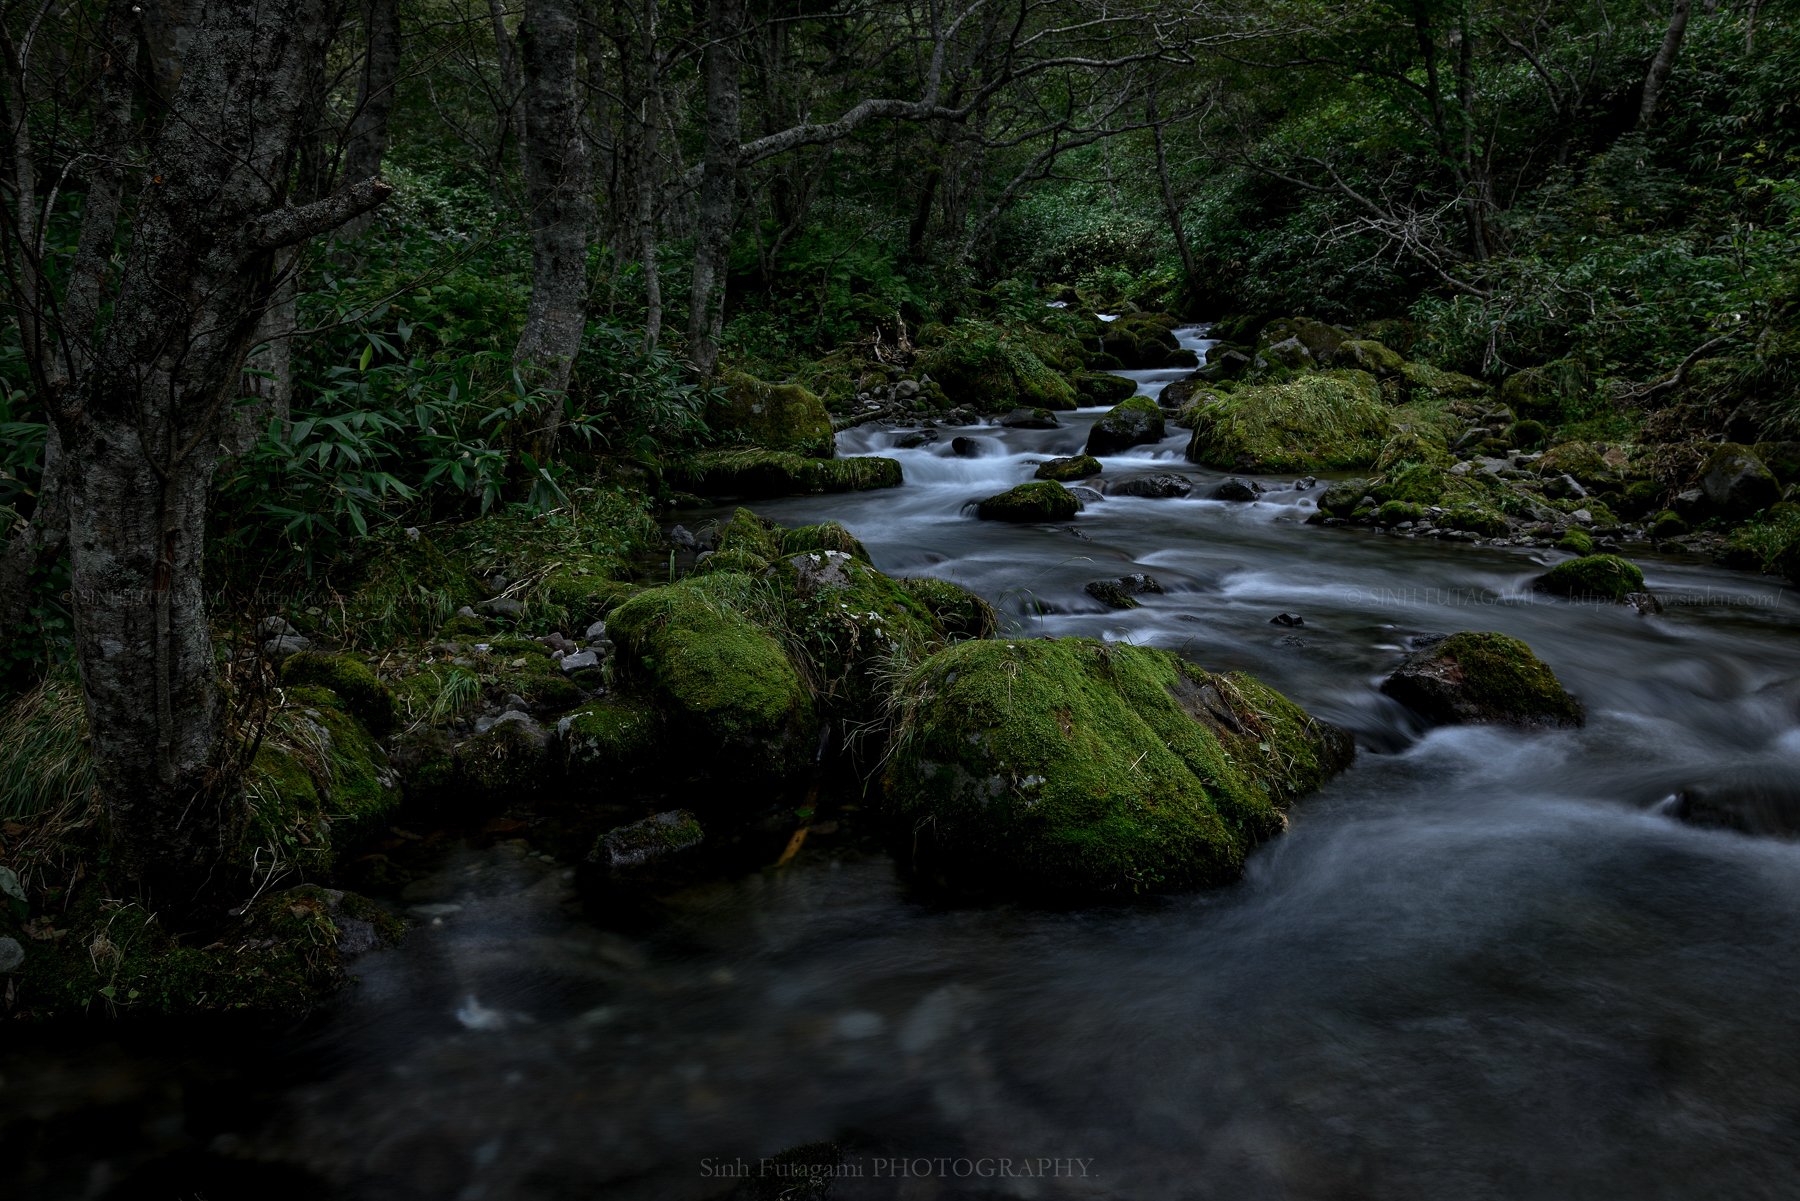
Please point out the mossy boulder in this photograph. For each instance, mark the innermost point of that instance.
(1593, 577)
(1526, 434)
(1041, 500)
(826, 535)
(1132, 422)
(753, 472)
(959, 612)
(609, 741)
(1101, 388)
(783, 417)
(1146, 341)
(697, 649)
(1482, 678)
(1322, 421)
(993, 369)
(1366, 354)
(1667, 524)
(1068, 768)
(1593, 465)
(1737, 483)
(849, 619)
(1576, 541)
(1433, 384)
(1074, 467)
(318, 782)
(405, 585)
(1340, 498)
(357, 687)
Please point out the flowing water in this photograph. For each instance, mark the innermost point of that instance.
(1480, 964)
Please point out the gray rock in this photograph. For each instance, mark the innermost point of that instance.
(526, 723)
(1290, 353)
(596, 632)
(683, 537)
(1287, 619)
(275, 627)
(1031, 419)
(1153, 487)
(915, 439)
(502, 606)
(466, 611)
(906, 389)
(356, 936)
(287, 644)
(1236, 489)
(579, 660)
(1087, 496)
(655, 851)
(965, 448)
(11, 954)
(1737, 484)
(1752, 800)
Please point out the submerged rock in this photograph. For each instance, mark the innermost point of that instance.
(1752, 800)
(1122, 592)
(1482, 678)
(1154, 487)
(1079, 769)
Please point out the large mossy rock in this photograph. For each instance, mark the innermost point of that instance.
(1101, 388)
(757, 473)
(1593, 577)
(1324, 421)
(782, 417)
(959, 612)
(848, 620)
(319, 781)
(1068, 768)
(1482, 678)
(993, 370)
(1132, 422)
(1737, 483)
(726, 684)
(1041, 500)
(1072, 467)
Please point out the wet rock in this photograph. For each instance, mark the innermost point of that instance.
(1086, 496)
(1131, 422)
(1042, 500)
(1236, 489)
(275, 627)
(579, 661)
(966, 448)
(596, 632)
(1485, 679)
(915, 439)
(1154, 487)
(1031, 419)
(1592, 577)
(1071, 467)
(658, 851)
(1122, 592)
(683, 537)
(1753, 800)
(1287, 619)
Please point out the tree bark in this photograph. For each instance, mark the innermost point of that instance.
(1190, 273)
(1664, 63)
(368, 139)
(144, 415)
(560, 204)
(718, 184)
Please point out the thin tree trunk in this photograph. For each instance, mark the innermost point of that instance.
(645, 119)
(718, 185)
(560, 204)
(1190, 273)
(1474, 174)
(368, 140)
(1664, 63)
(512, 120)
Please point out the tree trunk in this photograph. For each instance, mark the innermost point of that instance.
(1190, 273)
(368, 140)
(1663, 63)
(144, 418)
(512, 118)
(560, 204)
(718, 185)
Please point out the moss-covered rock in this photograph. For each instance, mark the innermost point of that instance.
(1366, 354)
(364, 695)
(1101, 388)
(1041, 500)
(1132, 422)
(1074, 467)
(1667, 524)
(1145, 341)
(1073, 768)
(959, 612)
(1324, 421)
(752, 472)
(726, 683)
(993, 369)
(826, 535)
(849, 620)
(1593, 577)
(1737, 483)
(1527, 434)
(783, 417)
(610, 741)
(1340, 498)
(1398, 512)
(1482, 678)
(1576, 541)
(1428, 383)
(1593, 465)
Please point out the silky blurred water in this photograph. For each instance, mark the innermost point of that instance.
(1481, 964)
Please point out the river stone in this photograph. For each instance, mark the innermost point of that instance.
(1131, 422)
(965, 448)
(1752, 800)
(1236, 489)
(579, 660)
(1153, 487)
(1031, 419)
(1122, 592)
(1075, 769)
(11, 954)
(647, 853)
(1482, 679)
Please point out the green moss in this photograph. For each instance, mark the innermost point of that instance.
(1593, 577)
(361, 692)
(1102, 388)
(1131, 422)
(784, 417)
(741, 561)
(1068, 767)
(994, 369)
(574, 597)
(723, 679)
(1076, 467)
(1576, 541)
(1668, 524)
(1771, 543)
(318, 782)
(1434, 384)
(1319, 422)
(1527, 434)
(1043, 500)
(498, 767)
(850, 621)
(827, 535)
(959, 612)
(1483, 677)
(609, 739)
(1476, 519)
(750, 533)
(1394, 512)
(1591, 464)
(753, 472)
(1340, 499)
(1371, 356)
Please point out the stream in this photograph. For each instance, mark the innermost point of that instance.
(1480, 964)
